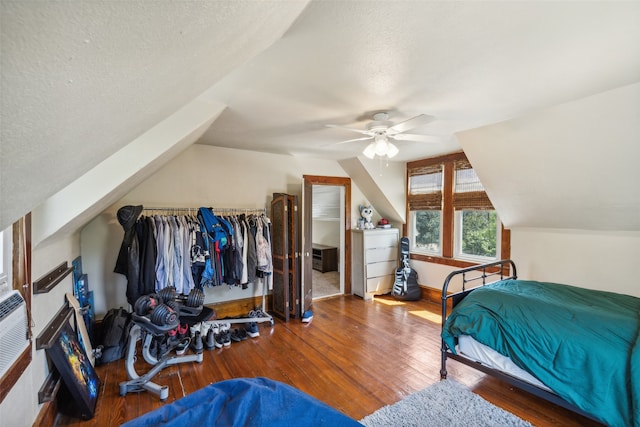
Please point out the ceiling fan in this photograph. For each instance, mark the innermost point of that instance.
(381, 130)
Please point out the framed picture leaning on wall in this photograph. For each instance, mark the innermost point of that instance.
(81, 383)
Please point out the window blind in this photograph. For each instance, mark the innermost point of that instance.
(425, 188)
(468, 191)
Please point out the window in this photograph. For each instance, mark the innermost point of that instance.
(5, 259)
(15, 268)
(427, 231)
(425, 202)
(451, 219)
(477, 235)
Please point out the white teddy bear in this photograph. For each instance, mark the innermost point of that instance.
(366, 212)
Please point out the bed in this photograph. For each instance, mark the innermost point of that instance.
(576, 347)
(246, 402)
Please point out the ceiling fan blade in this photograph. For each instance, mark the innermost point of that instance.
(354, 140)
(409, 124)
(364, 132)
(416, 138)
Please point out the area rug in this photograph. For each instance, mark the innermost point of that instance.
(325, 284)
(446, 403)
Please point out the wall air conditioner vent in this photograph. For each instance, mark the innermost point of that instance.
(13, 329)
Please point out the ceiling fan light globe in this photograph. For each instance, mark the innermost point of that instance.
(370, 151)
(392, 150)
(381, 147)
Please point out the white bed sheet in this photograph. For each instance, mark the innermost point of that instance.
(491, 358)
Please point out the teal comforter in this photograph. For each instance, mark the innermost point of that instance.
(583, 344)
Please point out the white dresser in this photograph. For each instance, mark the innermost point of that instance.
(374, 260)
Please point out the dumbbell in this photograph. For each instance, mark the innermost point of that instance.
(146, 303)
(154, 316)
(184, 305)
(167, 293)
(194, 299)
(163, 315)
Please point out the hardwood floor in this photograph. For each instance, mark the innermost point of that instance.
(355, 355)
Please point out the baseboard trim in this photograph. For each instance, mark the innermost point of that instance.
(47, 415)
(433, 295)
(239, 307)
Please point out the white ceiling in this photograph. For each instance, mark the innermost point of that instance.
(81, 80)
(466, 63)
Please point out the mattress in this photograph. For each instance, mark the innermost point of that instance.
(487, 356)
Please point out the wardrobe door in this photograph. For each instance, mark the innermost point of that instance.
(307, 285)
(294, 256)
(280, 256)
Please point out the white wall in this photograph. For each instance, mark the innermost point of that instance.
(382, 184)
(433, 275)
(570, 166)
(326, 232)
(20, 407)
(589, 259)
(200, 176)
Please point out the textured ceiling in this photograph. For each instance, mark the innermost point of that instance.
(466, 63)
(80, 80)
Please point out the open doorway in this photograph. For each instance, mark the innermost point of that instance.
(327, 240)
(326, 234)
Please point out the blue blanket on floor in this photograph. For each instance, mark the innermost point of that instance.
(258, 402)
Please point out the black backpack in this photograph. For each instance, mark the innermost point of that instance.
(114, 335)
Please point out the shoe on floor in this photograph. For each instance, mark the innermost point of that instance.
(238, 335)
(182, 331)
(210, 342)
(307, 316)
(252, 330)
(182, 346)
(226, 337)
(196, 343)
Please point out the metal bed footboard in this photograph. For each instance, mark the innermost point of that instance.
(498, 270)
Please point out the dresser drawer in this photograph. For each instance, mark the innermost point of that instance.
(384, 268)
(374, 260)
(380, 285)
(382, 254)
(382, 240)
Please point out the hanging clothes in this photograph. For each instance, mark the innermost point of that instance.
(245, 250)
(128, 261)
(189, 252)
(148, 255)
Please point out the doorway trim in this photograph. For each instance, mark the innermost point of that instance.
(309, 182)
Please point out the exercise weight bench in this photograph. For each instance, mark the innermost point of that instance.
(143, 327)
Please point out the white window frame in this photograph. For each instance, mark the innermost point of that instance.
(457, 242)
(5, 259)
(413, 248)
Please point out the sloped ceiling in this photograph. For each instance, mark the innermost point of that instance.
(468, 64)
(82, 80)
(573, 166)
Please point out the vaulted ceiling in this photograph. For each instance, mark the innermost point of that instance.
(82, 81)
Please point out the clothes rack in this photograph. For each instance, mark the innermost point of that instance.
(194, 211)
(258, 315)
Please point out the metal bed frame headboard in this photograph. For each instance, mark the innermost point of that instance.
(502, 269)
(505, 264)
